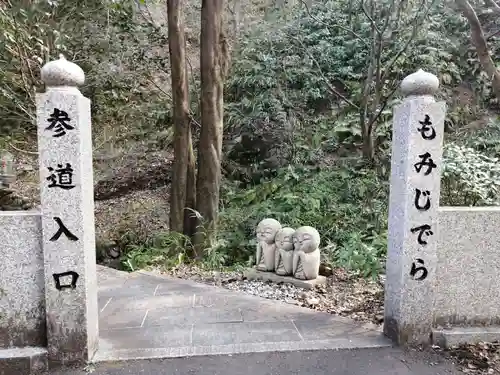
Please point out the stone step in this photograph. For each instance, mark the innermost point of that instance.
(23, 361)
(253, 274)
(447, 338)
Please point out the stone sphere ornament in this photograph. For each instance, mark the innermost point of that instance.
(62, 73)
(420, 83)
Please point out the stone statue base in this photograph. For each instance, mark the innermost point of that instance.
(253, 274)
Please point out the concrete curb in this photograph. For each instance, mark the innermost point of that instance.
(24, 361)
(447, 338)
(186, 351)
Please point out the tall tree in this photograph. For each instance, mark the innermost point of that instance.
(213, 62)
(182, 193)
(479, 40)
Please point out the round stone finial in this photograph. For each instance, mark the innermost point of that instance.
(62, 73)
(420, 83)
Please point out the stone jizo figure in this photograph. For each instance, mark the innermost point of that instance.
(306, 256)
(266, 248)
(283, 264)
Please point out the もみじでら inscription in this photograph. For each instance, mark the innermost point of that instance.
(422, 196)
(427, 129)
(425, 162)
(424, 231)
(424, 165)
(413, 221)
(418, 270)
(59, 123)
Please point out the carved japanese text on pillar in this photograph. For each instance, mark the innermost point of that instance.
(418, 270)
(62, 230)
(60, 286)
(427, 130)
(423, 198)
(59, 123)
(61, 177)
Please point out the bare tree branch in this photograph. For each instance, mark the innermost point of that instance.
(370, 18)
(328, 26)
(168, 95)
(330, 86)
(492, 35)
(479, 41)
(414, 32)
(382, 108)
(389, 16)
(23, 151)
(492, 5)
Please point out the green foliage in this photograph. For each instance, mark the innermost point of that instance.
(348, 206)
(28, 40)
(170, 249)
(280, 87)
(105, 39)
(282, 75)
(166, 249)
(297, 84)
(285, 71)
(484, 139)
(363, 255)
(469, 178)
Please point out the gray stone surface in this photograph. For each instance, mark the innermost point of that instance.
(283, 260)
(447, 338)
(306, 254)
(420, 83)
(62, 73)
(409, 301)
(253, 274)
(467, 287)
(266, 247)
(377, 361)
(22, 298)
(189, 319)
(21, 361)
(72, 313)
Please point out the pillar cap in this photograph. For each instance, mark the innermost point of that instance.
(420, 83)
(62, 73)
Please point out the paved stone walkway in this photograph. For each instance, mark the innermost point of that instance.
(147, 316)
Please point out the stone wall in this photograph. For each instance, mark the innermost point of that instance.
(22, 291)
(467, 280)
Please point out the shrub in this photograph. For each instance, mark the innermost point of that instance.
(469, 177)
(347, 205)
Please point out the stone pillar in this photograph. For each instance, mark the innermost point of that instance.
(417, 147)
(67, 207)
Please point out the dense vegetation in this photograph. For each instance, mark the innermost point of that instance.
(307, 126)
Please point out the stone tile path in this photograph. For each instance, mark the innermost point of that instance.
(147, 316)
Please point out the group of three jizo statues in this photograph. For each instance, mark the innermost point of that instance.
(286, 251)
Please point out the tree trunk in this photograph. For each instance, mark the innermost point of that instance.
(368, 150)
(366, 131)
(190, 220)
(212, 62)
(479, 42)
(181, 194)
